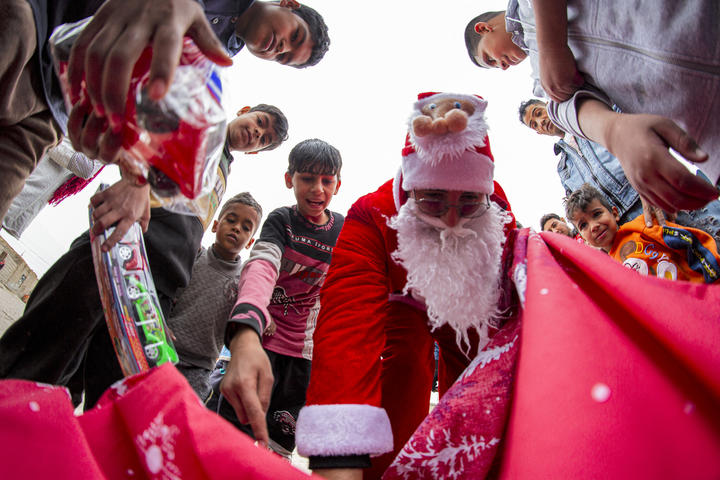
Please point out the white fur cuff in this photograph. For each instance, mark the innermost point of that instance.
(333, 430)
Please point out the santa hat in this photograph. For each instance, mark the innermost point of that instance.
(469, 169)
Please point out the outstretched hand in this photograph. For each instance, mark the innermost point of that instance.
(641, 142)
(105, 54)
(271, 328)
(121, 205)
(248, 382)
(559, 75)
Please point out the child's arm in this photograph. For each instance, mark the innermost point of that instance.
(248, 380)
(559, 75)
(256, 286)
(640, 142)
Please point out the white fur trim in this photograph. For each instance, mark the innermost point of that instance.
(397, 186)
(470, 172)
(333, 430)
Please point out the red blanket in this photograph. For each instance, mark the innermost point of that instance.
(150, 426)
(606, 374)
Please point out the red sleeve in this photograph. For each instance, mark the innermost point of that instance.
(500, 198)
(343, 416)
(349, 334)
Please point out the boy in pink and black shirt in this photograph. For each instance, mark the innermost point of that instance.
(279, 288)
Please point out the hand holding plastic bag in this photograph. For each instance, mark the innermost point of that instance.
(176, 142)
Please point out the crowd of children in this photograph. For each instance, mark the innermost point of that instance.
(430, 263)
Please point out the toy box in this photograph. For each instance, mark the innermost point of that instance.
(132, 310)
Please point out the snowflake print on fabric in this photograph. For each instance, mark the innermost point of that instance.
(460, 437)
(485, 357)
(442, 458)
(157, 445)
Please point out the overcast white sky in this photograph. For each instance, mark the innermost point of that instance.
(382, 54)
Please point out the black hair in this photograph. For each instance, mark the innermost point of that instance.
(525, 105)
(548, 216)
(318, 33)
(243, 198)
(281, 123)
(582, 197)
(472, 38)
(314, 156)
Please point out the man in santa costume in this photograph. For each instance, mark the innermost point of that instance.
(592, 372)
(417, 261)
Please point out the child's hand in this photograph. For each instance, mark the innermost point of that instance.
(106, 52)
(640, 142)
(271, 328)
(559, 75)
(121, 205)
(248, 381)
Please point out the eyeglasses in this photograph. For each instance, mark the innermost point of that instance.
(437, 207)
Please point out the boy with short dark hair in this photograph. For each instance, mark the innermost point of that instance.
(552, 222)
(201, 310)
(271, 34)
(44, 345)
(279, 295)
(636, 66)
(472, 39)
(670, 251)
(262, 127)
(283, 31)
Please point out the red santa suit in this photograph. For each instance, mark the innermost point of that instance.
(373, 364)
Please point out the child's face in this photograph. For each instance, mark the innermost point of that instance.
(251, 131)
(557, 226)
(234, 230)
(280, 35)
(496, 49)
(597, 225)
(313, 193)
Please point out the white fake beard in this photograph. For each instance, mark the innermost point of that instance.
(456, 271)
(434, 148)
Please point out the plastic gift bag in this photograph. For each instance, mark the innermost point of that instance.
(177, 141)
(130, 302)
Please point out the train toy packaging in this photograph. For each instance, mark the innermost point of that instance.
(176, 142)
(132, 311)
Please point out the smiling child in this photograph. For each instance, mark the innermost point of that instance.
(670, 251)
(279, 297)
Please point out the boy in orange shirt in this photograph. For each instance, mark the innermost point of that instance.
(670, 251)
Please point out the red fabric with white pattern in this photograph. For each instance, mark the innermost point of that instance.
(617, 376)
(150, 426)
